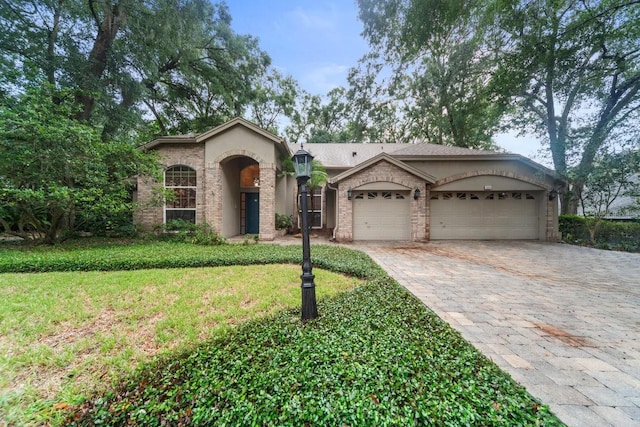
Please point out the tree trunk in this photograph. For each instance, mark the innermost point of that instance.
(97, 62)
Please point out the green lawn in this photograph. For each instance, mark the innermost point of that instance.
(224, 345)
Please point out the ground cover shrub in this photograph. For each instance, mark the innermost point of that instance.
(613, 235)
(376, 356)
(106, 255)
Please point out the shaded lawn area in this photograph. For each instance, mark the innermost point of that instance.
(376, 355)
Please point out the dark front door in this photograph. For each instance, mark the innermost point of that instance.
(252, 225)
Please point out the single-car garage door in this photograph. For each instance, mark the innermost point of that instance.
(484, 215)
(381, 215)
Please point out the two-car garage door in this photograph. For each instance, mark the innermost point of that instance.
(386, 215)
(484, 215)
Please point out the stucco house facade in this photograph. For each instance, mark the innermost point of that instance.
(232, 178)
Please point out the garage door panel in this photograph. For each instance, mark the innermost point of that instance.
(381, 215)
(484, 215)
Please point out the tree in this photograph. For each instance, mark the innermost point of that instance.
(440, 57)
(178, 60)
(360, 112)
(274, 98)
(574, 71)
(61, 177)
(612, 176)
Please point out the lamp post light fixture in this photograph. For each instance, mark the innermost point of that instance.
(302, 164)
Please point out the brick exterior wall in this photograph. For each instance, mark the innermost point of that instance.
(208, 189)
(381, 171)
(150, 212)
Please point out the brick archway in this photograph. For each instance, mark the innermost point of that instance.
(220, 204)
(504, 174)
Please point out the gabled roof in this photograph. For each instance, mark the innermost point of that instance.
(383, 157)
(235, 122)
(343, 156)
(201, 137)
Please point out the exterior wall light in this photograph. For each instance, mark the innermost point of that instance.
(416, 194)
(553, 194)
(349, 193)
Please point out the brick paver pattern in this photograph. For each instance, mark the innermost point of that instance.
(564, 321)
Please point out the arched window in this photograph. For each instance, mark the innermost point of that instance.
(182, 180)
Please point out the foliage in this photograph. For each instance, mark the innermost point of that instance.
(179, 61)
(114, 254)
(66, 335)
(612, 176)
(179, 230)
(62, 177)
(274, 97)
(283, 222)
(376, 354)
(573, 70)
(361, 112)
(375, 357)
(613, 235)
(566, 71)
(250, 239)
(440, 56)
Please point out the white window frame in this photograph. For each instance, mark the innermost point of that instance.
(176, 187)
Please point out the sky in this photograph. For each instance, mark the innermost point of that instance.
(317, 42)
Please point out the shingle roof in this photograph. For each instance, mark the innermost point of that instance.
(424, 149)
(349, 154)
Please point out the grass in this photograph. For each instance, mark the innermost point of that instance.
(376, 356)
(63, 334)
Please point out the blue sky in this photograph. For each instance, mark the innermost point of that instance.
(317, 42)
(314, 41)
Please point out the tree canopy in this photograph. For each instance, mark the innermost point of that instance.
(176, 61)
(82, 82)
(567, 71)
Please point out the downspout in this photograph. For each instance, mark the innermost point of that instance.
(335, 227)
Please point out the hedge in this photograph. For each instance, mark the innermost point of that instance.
(614, 235)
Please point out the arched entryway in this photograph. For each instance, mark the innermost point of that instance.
(250, 200)
(240, 196)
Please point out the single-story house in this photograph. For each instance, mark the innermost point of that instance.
(231, 177)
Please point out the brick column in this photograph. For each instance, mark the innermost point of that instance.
(213, 208)
(344, 232)
(267, 201)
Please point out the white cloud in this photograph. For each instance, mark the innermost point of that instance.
(322, 79)
(313, 20)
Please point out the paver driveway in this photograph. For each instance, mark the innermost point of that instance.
(564, 321)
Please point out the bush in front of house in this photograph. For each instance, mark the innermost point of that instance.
(284, 222)
(614, 235)
(179, 230)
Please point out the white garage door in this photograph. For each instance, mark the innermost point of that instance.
(381, 215)
(484, 215)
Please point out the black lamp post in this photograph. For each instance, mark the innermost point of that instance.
(302, 163)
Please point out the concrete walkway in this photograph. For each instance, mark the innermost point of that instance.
(564, 321)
